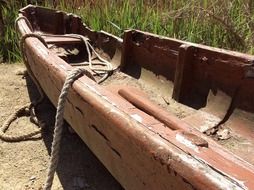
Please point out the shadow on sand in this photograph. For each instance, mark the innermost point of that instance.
(78, 168)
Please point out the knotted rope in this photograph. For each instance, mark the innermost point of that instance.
(92, 63)
(58, 124)
(105, 68)
(27, 110)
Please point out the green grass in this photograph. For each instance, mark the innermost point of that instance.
(9, 50)
(221, 23)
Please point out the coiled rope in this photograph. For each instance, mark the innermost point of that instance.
(27, 110)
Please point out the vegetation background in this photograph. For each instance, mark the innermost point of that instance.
(221, 23)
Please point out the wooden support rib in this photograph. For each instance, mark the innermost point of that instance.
(183, 73)
(126, 48)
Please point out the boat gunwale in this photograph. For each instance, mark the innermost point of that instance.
(63, 67)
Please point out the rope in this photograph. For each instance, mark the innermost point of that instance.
(58, 124)
(27, 22)
(23, 111)
(29, 71)
(91, 63)
(27, 110)
(105, 72)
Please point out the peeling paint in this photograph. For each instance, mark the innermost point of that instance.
(187, 142)
(137, 117)
(93, 89)
(240, 183)
(43, 51)
(210, 121)
(212, 175)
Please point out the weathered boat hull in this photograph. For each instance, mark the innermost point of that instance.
(139, 153)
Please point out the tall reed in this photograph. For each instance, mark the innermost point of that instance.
(9, 48)
(222, 23)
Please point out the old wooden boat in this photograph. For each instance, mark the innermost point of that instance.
(171, 115)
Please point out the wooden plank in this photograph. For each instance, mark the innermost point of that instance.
(183, 74)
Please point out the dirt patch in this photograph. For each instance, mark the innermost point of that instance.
(24, 165)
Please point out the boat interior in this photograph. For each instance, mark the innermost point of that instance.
(210, 89)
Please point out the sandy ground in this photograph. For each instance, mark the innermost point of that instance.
(23, 165)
